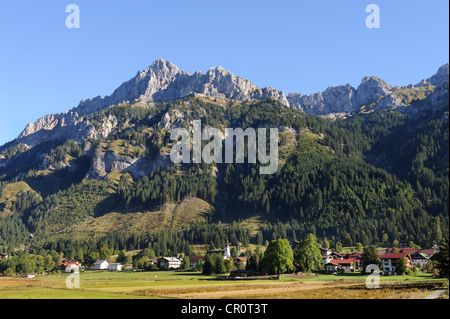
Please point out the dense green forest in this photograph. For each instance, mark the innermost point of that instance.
(370, 178)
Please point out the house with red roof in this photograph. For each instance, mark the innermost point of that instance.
(70, 266)
(418, 256)
(390, 262)
(341, 265)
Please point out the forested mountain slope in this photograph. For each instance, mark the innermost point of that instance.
(376, 174)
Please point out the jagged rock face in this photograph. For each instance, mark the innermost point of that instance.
(63, 126)
(370, 89)
(171, 120)
(390, 101)
(109, 161)
(334, 100)
(164, 81)
(439, 95)
(441, 77)
(341, 99)
(160, 82)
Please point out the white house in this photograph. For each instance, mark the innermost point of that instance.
(327, 259)
(331, 268)
(390, 262)
(340, 265)
(419, 258)
(100, 264)
(115, 267)
(69, 267)
(170, 262)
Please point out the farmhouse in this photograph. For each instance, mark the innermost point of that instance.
(327, 259)
(419, 258)
(3, 256)
(193, 261)
(331, 268)
(115, 267)
(390, 262)
(412, 251)
(169, 262)
(100, 265)
(341, 265)
(70, 266)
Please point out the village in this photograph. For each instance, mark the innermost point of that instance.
(333, 262)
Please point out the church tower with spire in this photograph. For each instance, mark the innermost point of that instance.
(227, 251)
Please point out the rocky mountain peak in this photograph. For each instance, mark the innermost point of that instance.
(345, 98)
(163, 80)
(371, 88)
(441, 76)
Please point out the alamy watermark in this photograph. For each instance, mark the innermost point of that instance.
(373, 19)
(73, 19)
(73, 280)
(373, 280)
(213, 151)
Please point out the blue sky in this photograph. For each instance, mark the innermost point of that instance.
(291, 45)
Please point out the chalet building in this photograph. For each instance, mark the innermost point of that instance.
(193, 261)
(390, 262)
(341, 266)
(70, 266)
(341, 263)
(327, 259)
(357, 259)
(115, 267)
(169, 262)
(419, 258)
(331, 268)
(100, 265)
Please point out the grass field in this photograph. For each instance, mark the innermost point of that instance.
(193, 285)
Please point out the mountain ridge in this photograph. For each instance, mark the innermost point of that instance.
(163, 81)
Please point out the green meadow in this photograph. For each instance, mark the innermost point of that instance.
(189, 284)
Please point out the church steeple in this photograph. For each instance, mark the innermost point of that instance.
(227, 251)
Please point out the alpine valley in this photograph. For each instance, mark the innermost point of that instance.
(362, 165)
